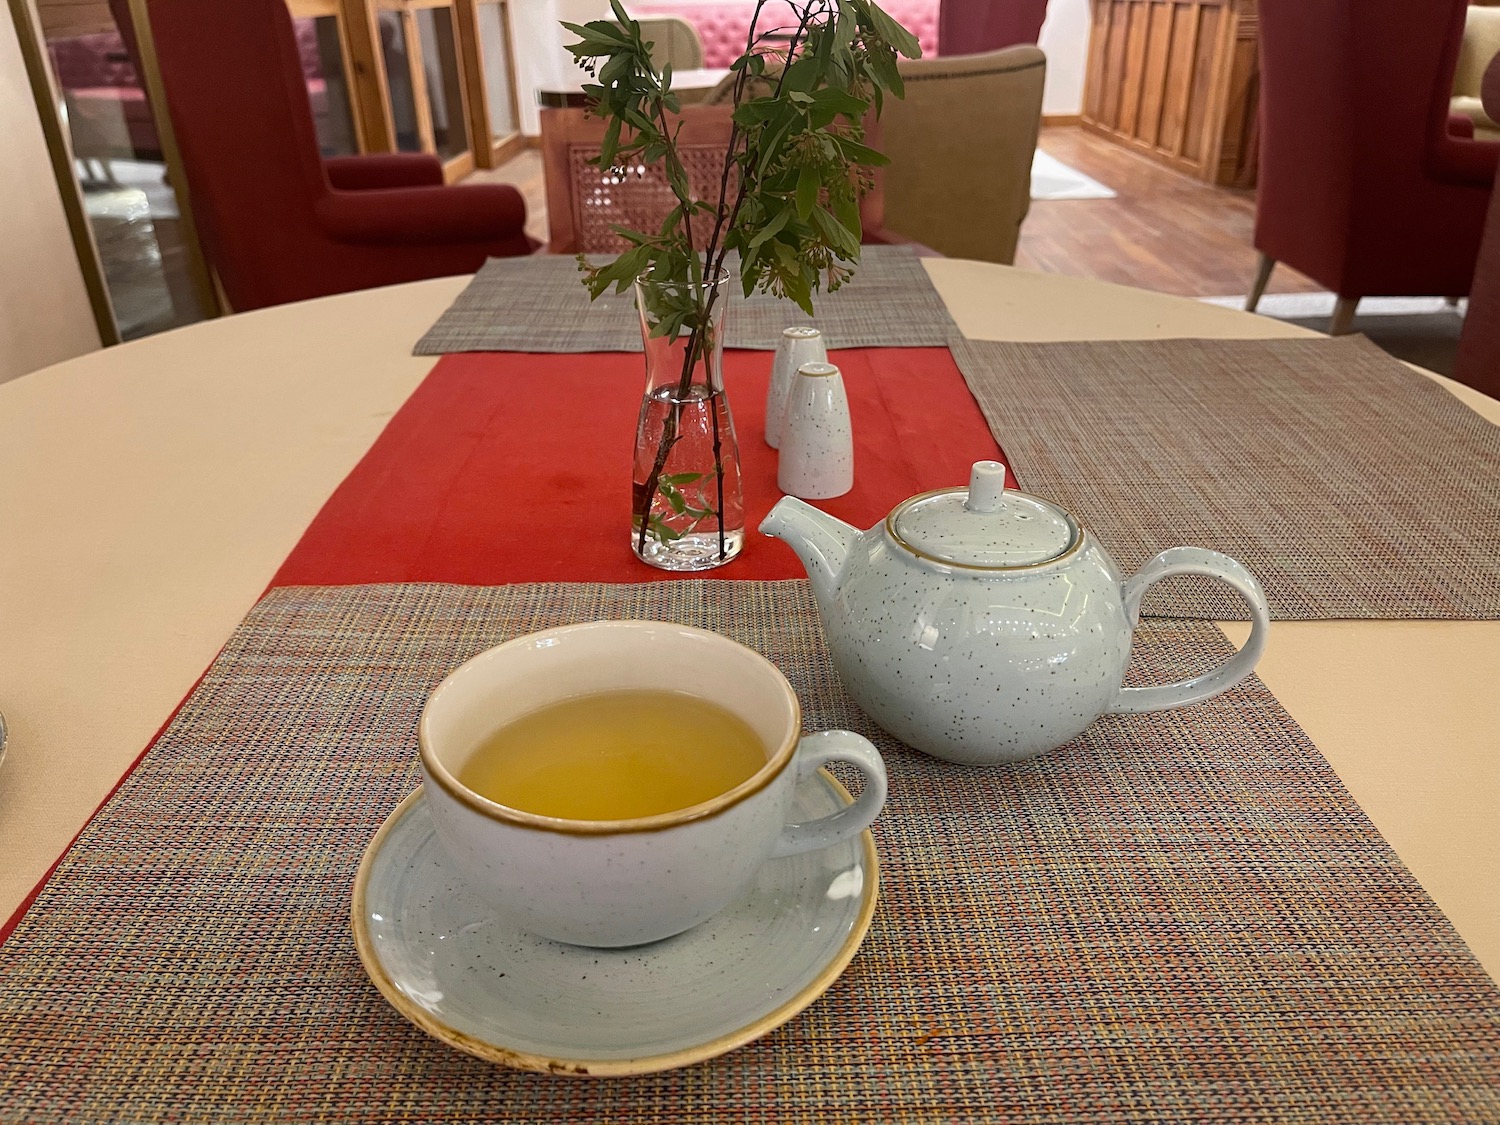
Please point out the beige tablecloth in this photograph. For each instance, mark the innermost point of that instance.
(148, 493)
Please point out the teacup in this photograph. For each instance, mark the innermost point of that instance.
(625, 882)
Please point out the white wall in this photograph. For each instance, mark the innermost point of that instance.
(44, 308)
(541, 58)
(1065, 40)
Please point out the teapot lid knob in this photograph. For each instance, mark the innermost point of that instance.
(986, 487)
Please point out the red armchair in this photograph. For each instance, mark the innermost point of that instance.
(1362, 187)
(278, 223)
(1479, 347)
(970, 27)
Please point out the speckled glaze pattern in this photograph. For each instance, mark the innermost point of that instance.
(464, 973)
(817, 441)
(982, 665)
(798, 345)
(621, 883)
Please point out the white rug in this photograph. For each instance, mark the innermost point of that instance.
(1295, 306)
(1052, 179)
(1420, 330)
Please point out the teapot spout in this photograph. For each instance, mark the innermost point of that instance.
(821, 542)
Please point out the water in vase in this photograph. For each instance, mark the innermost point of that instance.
(699, 479)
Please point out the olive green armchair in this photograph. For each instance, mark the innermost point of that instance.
(960, 145)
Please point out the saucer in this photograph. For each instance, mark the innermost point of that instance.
(443, 959)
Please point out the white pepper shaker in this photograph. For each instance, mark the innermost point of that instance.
(817, 446)
(797, 346)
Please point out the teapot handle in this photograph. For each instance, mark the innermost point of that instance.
(1195, 560)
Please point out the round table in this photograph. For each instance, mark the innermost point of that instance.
(150, 491)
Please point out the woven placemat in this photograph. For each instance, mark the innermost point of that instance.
(1349, 484)
(1179, 918)
(539, 304)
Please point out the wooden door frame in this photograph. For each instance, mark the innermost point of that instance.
(368, 85)
(489, 152)
(338, 10)
(455, 167)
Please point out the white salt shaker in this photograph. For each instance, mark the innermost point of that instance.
(817, 446)
(797, 346)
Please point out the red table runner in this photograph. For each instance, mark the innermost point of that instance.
(515, 467)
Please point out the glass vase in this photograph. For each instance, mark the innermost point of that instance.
(688, 508)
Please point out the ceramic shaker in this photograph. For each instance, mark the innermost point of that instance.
(796, 347)
(817, 446)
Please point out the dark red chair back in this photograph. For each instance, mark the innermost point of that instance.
(243, 121)
(970, 27)
(1479, 347)
(1361, 187)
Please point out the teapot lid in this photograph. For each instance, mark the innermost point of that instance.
(983, 527)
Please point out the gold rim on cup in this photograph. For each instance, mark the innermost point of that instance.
(438, 773)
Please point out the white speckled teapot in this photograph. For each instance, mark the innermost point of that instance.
(984, 626)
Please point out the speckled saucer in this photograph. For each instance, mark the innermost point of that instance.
(448, 964)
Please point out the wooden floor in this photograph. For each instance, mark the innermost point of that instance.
(1165, 231)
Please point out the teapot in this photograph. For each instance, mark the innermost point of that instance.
(985, 625)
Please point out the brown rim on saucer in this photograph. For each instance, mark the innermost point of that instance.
(890, 529)
(434, 770)
(607, 1068)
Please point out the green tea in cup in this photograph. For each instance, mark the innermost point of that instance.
(613, 783)
(615, 755)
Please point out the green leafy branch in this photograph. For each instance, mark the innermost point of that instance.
(794, 171)
(796, 164)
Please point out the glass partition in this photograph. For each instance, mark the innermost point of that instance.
(499, 73)
(444, 78)
(322, 53)
(395, 53)
(135, 222)
(432, 76)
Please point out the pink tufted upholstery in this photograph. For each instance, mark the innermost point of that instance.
(723, 24)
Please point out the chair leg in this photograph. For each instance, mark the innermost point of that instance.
(1343, 315)
(1263, 270)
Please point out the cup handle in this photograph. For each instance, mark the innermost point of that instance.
(835, 746)
(1195, 560)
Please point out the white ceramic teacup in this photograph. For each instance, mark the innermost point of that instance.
(625, 882)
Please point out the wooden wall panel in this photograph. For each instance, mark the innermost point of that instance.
(1135, 67)
(1114, 65)
(1093, 82)
(1154, 73)
(1177, 79)
(1238, 156)
(1205, 71)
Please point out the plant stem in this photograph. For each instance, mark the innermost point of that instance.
(744, 187)
(708, 292)
(670, 427)
(734, 135)
(670, 436)
(713, 411)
